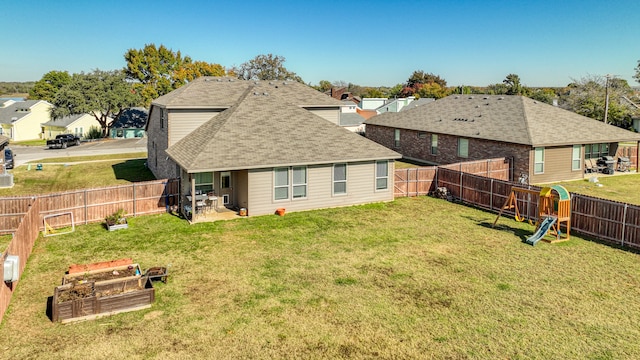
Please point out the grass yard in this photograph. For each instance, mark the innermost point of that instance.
(619, 188)
(70, 173)
(414, 278)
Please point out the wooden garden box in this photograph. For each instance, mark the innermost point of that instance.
(79, 299)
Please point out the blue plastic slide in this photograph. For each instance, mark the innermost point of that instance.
(542, 230)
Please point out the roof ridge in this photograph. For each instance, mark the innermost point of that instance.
(526, 119)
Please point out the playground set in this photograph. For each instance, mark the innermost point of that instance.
(554, 212)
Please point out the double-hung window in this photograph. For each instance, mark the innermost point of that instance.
(290, 181)
(299, 182)
(339, 179)
(576, 159)
(396, 138)
(434, 144)
(538, 167)
(463, 147)
(281, 183)
(382, 175)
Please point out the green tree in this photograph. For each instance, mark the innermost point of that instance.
(587, 97)
(102, 94)
(159, 70)
(266, 67)
(512, 82)
(420, 77)
(637, 75)
(47, 87)
(373, 93)
(323, 86)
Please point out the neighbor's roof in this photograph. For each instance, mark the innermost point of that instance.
(263, 129)
(416, 103)
(223, 92)
(64, 121)
(351, 119)
(12, 112)
(3, 140)
(504, 118)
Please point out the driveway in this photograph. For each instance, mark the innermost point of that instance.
(25, 154)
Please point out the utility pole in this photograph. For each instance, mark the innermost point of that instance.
(606, 98)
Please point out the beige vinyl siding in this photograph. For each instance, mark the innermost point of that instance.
(557, 165)
(29, 127)
(360, 189)
(330, 114)
(183, 122)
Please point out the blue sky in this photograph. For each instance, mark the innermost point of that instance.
(369, 43)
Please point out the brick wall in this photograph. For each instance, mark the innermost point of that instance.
(417, 145)
(157, 143)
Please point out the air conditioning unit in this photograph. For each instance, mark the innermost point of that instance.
(6, 180)
(11, 268)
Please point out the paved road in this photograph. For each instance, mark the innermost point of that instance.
(25, 154)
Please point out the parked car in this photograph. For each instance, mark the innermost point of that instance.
(8, 158)
(62, 141)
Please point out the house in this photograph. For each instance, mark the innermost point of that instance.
(78, 125)
(261, 146)
(130, 124)
(22, 120)
(350, 119)
(545, 143)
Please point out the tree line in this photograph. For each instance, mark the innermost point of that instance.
(154, 71)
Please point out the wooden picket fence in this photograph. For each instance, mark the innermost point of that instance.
(92, 205)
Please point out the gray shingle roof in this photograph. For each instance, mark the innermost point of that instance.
(64, 121)
(10, 113)
(267, 130)
(416, 103)
(223, 92)
(505, 118)
(3, 140)
(351, 119)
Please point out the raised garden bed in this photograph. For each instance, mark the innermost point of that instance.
(96, 293)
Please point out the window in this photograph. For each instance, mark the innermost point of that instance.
(78, 131)
(339, 179)
(299, 182)
(396, 138)
(434, 144)
(382, 175)
(587, 151)
(576, 159)
(225, 179)
(595, 151)
(281, 183)
(204, 182)
(422, 135)
(162, 117)
(538, 167)
(463, 147)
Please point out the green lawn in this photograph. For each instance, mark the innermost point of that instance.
(78, 173)
(414, 278)
(619, 188)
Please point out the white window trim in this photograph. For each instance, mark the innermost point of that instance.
(576, 160)
(287, 185)
(535, 162)
(305, 184)
(381, 177)
(334, 181)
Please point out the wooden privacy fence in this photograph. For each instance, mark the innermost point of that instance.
(610, 221)
(21, 245)
(92, 205)
(423, 180)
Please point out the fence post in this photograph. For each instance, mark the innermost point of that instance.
(86, 208)
(461, 188)
(624, 223)
(407, 180)
(134, 199)
(488, 168)
(491, 196)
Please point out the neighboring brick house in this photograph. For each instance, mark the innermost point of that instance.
(545, 143)
(262, 146)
